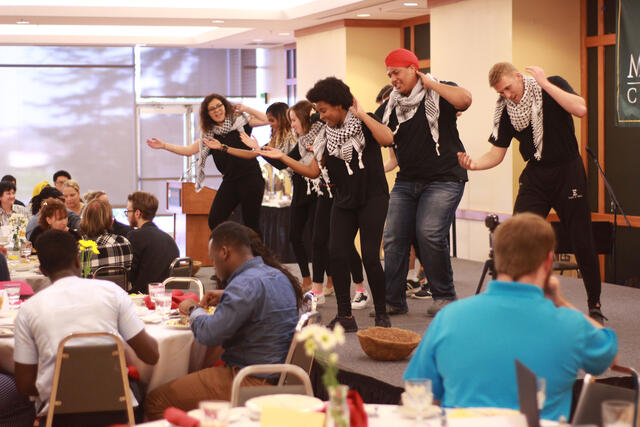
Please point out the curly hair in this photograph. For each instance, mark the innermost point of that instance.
(206, 122)
(333, 91)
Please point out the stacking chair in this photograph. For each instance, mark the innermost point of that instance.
(90, 378)
(117, 274)
(602, 237)
(240, 394)
(297, 355)
(589, 407)
(184, 283)
(181, 267)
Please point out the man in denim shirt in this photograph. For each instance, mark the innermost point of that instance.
(254, 322)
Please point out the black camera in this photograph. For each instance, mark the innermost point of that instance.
(492, 221)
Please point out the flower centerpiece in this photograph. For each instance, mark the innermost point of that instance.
(18, 224)
(321, 342)
(87, 249)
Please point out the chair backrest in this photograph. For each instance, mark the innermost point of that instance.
(90, 378)
(602, 237)
(297, 355)
(240, 394)
(589, 406)
(184, 283)
(117, 274)
(181, 267)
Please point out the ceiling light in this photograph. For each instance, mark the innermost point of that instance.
(22, 22)
(218, 21)
(257, 40)
(411, 4)
(363, 15)
(284, 34)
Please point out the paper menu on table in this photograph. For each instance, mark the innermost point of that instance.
(272, 417)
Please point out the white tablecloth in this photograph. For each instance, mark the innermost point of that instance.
(390, 415)
(28, 272)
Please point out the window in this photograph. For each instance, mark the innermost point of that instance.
(416, 36)
(292, 74)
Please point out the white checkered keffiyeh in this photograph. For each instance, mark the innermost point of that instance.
(230, 124)
(406, 107)
(527, 111)
(305, 148)
(341, 141)
(114, 250)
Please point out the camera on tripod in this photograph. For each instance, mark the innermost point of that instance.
(491, 221)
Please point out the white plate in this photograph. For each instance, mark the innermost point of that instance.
(298, 402)
(151, 318)
(234, 414)
(429, 411)
(174, 324)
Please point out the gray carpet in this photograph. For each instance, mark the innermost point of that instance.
(619, 304)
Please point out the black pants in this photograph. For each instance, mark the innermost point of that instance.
(299, 217)
(564, 188)
(246, 192)
(369, 219)
(320, 242)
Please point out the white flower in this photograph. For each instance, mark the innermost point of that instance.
(326, 340)
(338, 332)
(333, 358)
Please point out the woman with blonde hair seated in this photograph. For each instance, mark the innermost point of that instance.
(95, 225)
(72, 199)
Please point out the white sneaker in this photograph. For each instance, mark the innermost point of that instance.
(360, 300)
(318, 298)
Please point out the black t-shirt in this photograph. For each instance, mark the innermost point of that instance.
(299, 196)
(416, 151)
(559, 143)
(232, 167)
(353, 191)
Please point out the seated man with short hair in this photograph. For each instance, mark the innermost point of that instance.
(469, 350)
(254, 321)
(69, 305)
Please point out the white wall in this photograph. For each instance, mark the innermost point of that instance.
(321, 55)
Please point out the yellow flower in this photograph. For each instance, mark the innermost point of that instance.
(333, 358)
(310, 347)
(89, 244)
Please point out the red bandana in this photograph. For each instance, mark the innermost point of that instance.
(401, 58)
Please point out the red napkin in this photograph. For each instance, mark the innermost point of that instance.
(357, 414)
(177, 296)
(25, 288)
(133, 373)
(180, 418)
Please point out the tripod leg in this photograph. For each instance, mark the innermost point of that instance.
(482, 276)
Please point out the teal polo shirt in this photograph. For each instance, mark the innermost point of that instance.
(469, 349)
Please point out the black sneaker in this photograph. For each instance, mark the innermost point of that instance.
(391, 311)
(413, 286)
(596, 314)
(383, 321)
(348, 323)
(423, 293)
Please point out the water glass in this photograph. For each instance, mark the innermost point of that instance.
(163, 303)
(215, 413)
(617, 413)
(419, 395)
(155, 288)
(25, 250)
(13, 294)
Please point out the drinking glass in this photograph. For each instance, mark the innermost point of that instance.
(155, 288)
(163, 303)
(419, 395)
(25, 250)
(13, 294)
(617, 413)
(215, 413)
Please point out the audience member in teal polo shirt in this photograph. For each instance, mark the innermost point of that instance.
(469, 349)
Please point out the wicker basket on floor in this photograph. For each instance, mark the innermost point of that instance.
(388, 343)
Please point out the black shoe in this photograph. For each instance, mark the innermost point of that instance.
(423, 293)
(348, 323)
(391, 311)
(383, 321)
(596, 314)
(412, 286)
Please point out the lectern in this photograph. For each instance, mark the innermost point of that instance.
(191, 211)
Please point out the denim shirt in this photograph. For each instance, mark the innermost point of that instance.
(255, 318)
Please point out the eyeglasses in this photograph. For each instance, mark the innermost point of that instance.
(216, 107)
(127, 211)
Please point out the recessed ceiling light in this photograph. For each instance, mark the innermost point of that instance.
(284, 34)
(257, 40)
(22, 22)
(218, 21)
(410, 4)
(363, 15)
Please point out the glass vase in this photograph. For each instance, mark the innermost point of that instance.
(16, 243)
(338, 408)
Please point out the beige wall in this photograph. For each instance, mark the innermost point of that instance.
(321, 55)
(549, 40)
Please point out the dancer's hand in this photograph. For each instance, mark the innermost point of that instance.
(427, 83)
(538, 74)
(356, 109)
(155, 143)
(240, 108)
(465, 161)
(249, 141)
(212, 143)
(270, 152)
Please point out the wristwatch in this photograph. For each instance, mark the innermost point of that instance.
(224, 148)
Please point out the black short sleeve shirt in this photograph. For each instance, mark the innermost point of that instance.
(559, 143)
(232, 167)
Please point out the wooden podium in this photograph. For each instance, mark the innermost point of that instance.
(191, 211)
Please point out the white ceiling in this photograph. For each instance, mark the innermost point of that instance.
(186, 23)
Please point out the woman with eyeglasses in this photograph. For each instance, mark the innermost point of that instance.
(347, 155)
(242, 183)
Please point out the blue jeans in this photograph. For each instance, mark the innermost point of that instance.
(424, 213)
